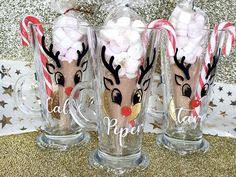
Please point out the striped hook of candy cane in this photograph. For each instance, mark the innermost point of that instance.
(230, 29)
(25, 42)
(166, 25)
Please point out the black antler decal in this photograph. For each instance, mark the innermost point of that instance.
(109, 66)
(214, 64)
(82, 54)
(148, 67)
(181, 65)
(50, 52)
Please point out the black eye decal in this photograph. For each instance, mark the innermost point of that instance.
(186, 90)
(137, 98)
(116, 96)
(59, 78)
(178, 79)
(204, 90)
(78, 77)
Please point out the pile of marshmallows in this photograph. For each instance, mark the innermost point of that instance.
(68, 35)
(123, 40)
(190, 32)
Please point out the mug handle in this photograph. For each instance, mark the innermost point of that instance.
(84, 121)
(20, 98)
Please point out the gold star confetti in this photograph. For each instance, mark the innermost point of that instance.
(18, 72)
(28, 65)
(3, 103)
(5, 120)
(156, 125)
(221, 100)
(23, 128)
(233, 103)
(223, 113)
(4, 72)
(8, 90)
(212, 105)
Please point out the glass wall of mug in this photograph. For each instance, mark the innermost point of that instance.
(61, 61)
(121, 85)
(188, 78)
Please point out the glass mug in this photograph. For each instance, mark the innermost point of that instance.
(67, 63)
(187, 86)
(120, 102)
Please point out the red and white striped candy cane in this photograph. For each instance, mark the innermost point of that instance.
(25, 42)
(230, 29)
(166, 25)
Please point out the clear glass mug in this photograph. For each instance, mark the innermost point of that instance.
(120, 102)
(60, 64)
(187, 85)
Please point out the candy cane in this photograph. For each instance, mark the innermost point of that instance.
(166, 25)
(230, 29)
(25, 42)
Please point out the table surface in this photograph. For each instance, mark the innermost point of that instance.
(19, 156)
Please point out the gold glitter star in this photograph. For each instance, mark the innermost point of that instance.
(5, 120)
(223, 114)
(3, 103)
(233, 103)
(5, 72)
(18, 72)
(8, 90)
(156, 125)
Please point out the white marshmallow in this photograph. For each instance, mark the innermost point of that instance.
(182, 41)
(176, 12)
(71, 54)
(108, 34)
(123, 22)
(122, 42)
(138, 25)
(131, 76)
(59, 48)
(110, 24)
(134, 37)
(180, 54)
(77, 46)
(183, 33)
(72, 22)
(185, 16)
(74, 35)
(59, 33)
(115, 49)
(131, 66)
(66, 43)
(190, 48)
(200, 19)
(135, 52)
(60, 21)
(181, 26)
(196, 40)
(194, 32)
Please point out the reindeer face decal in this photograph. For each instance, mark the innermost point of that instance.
(66, 74)
(124, 95)
(186, 77)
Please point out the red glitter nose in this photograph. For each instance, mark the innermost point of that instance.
(195, 103)
(126, 111)
(68, 90)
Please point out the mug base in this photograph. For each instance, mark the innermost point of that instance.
(62, 143)
(182, 147)
(118, 165)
